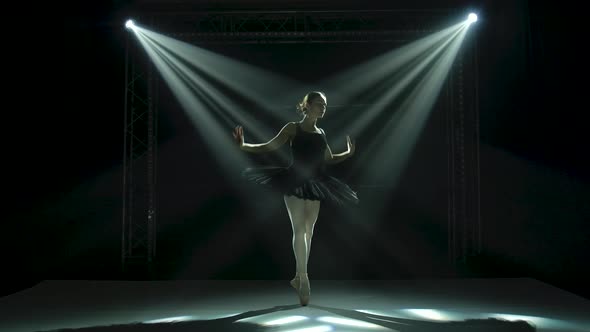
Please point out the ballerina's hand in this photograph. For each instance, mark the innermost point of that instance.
(350, 145)
(239, 135)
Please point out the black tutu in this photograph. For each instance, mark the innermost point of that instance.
(321, 187)
(306, 176)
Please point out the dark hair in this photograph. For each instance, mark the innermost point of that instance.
(308, 98)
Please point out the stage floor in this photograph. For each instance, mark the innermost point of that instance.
(272, 305)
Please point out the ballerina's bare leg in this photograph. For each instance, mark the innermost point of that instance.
(303, 214)
(296, 210)
(312, 210)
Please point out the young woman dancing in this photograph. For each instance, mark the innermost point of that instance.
(305, 183)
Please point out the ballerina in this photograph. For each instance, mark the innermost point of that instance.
(305, 183)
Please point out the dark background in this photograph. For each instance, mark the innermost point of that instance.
(63, 138)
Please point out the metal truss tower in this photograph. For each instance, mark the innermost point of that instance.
(368, 26)
(138, 245)
(464, 218)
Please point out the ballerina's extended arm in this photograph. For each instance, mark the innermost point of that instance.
(331, 158)
(276, 142)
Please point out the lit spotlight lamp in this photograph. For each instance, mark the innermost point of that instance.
(129, 24)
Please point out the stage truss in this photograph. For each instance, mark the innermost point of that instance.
(139, 215)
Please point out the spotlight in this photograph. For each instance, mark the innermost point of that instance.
(471, 18)
(129, 24)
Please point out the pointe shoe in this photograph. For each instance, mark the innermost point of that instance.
(304, 289)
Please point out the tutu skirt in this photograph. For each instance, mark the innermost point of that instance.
(319, 187)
